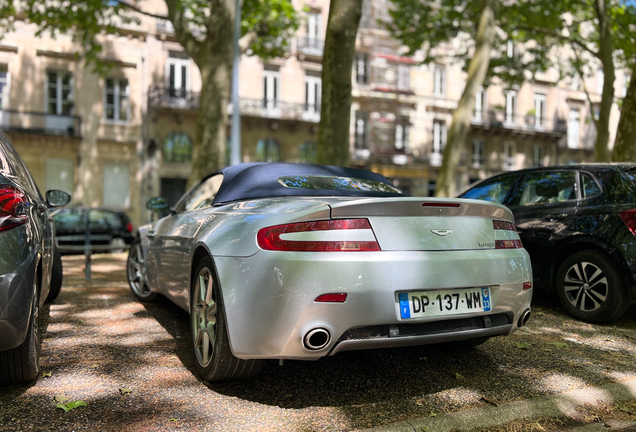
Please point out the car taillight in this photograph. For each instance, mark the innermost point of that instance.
(129, 227)
(503, 225)
(13, 208)
(506, 244)
(344, 235)
(629, 218)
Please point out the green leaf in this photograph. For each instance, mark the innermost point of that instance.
(60, 398)
(523, 345)
(173, 419)
(46, 374)
(125, 391)
(76, 404)
(458, 376)
(559, 344)
(433, 414)
(64, 407)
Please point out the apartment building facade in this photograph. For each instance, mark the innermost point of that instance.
(118, 140)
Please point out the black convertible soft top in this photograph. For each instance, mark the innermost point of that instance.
(260, 180)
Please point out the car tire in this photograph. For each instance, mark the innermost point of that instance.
(590, 288)
(22, 364)
(210, 344)
(57, 276)
(136, 273)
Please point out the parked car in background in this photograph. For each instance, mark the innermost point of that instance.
(110, 230)
(578, 223)
(30, 267)
(289, 261)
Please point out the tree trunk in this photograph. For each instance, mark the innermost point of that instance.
(335, 110)
(625, 145)
(606, 51)
(215, 64)
(447, 177)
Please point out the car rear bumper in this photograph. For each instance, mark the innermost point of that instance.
(16, 294)
(270, 307)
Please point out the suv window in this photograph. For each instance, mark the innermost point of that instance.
(203, 195)
(494, 190)
(546, 187)
(589, 186)
(104, 219)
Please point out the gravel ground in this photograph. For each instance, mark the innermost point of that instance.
(131, 364)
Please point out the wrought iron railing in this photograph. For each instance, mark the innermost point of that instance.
(267, 108)
(173, 98)
(310, 45)
(529, 122)
(42, 123)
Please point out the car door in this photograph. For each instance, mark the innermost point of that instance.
(544, 206)
(171, 240)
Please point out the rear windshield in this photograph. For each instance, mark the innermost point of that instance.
(315, 182)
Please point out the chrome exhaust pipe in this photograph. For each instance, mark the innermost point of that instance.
(525, 316)
(317, 339)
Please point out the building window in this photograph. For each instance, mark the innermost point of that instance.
(59, 174)
(510, 48)
(439, 142)
(600, 79)
(362, 68)
(574, 128)
(177, 147)
(178, 74)
(313, 91)
(402, 134)
(267, 150)
(314, 25)
(403, 77)
(439, 80)
(308, 153)
(116, 185)
(539, 110)
(59, 93)
(362, 130)
(271, 90)
(509, 156)
(478, 154)
(4, 87)
(511, 106)
(478, 112)
(117, 99)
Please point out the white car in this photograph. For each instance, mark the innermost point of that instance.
(288, 261)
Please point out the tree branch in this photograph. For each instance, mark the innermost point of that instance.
(562, 37)
(176, 15)
(247, 40)
(579, 69)
(139, 11)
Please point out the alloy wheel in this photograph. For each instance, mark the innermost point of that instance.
(586, 286)
(204, 310)
(136, 276)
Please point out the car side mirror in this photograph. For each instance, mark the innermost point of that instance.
(57, 198)
(158, 204)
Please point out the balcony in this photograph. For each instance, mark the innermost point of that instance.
(310, 46)
(162, 97)
(528, 124)
(41, 123)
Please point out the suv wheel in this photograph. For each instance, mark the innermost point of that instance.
(590, 288)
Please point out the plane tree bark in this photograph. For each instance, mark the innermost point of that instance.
(335, 109)
(625, 145)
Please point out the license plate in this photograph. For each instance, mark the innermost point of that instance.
(444, 302)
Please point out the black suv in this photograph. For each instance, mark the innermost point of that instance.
(110, 230)
(578, 223)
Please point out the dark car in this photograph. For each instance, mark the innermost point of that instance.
(110, 230)
(578, 223)
(30, 268)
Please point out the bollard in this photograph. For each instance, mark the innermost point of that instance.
(87, 247)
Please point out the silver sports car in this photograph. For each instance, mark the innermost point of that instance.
(286, 261)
